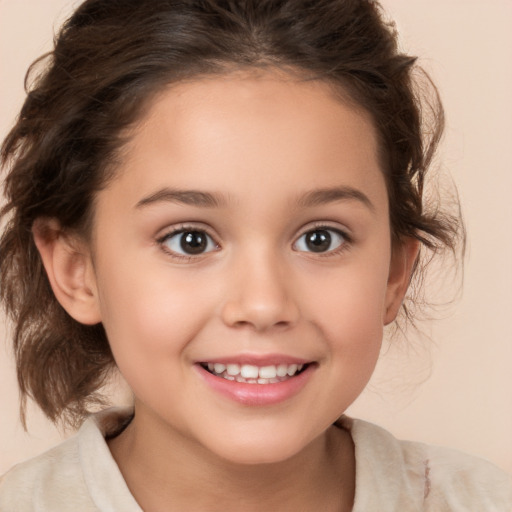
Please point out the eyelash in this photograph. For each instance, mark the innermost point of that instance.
(344, 245)
(181, 230)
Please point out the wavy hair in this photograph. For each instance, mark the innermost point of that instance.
(109, 60)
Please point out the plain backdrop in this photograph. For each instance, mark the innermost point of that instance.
(465, 358)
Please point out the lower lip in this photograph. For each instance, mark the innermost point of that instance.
(257, 394)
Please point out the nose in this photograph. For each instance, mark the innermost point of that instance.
(260, 295)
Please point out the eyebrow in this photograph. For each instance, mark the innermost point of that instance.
(202, 199)
(330, 195)
(187, 197)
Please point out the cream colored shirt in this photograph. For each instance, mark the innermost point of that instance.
(391, 476)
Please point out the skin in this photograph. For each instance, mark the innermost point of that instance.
(260, 143)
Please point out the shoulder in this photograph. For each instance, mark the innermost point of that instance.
(79, 474)
(458, 481)
(47, 480)
(416, 476)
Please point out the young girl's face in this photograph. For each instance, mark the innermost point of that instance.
(246, 233)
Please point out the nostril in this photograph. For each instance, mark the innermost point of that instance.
(260, 317)
(260, 304)
(261, 325)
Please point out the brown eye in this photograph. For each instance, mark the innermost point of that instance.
(189, 242)
(320, 240)
(193, 242)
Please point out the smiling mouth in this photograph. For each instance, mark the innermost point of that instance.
(250, 374)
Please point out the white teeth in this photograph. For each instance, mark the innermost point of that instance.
(252, 374)
(247, 371)
(282, 370)
(219, 367)
(292, 369)
(233, 369)
(267, 372)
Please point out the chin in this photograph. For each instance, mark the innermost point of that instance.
(258, 450)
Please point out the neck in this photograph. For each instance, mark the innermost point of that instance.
(167, 473)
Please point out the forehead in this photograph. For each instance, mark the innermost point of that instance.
(245, 130)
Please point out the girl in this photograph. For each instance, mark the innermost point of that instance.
(223, 200)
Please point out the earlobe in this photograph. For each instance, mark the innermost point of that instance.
(402, 264)
(69, 268)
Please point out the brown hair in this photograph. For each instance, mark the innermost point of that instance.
(110, 58)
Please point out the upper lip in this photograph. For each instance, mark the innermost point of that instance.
(257, 359)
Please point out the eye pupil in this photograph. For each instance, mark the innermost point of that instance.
(193, 242)
(318, 241)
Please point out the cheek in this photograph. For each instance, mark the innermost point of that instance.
(149, 328)
(352, 301)
(355, 331)
(348, 310)
(149, 315)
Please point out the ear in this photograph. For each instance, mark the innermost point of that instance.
(402, 264)
(68, 265)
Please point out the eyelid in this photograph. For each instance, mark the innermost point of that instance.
(326, 226)
(335, 226)
(183, 228)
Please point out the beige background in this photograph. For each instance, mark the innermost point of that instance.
(466, 403)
